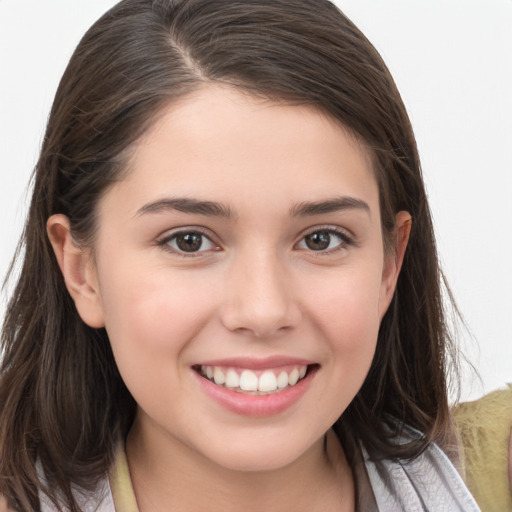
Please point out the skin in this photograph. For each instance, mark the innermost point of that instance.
(255, 289)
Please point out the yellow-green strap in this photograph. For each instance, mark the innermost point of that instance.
(121, 484)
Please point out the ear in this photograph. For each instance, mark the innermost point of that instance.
(394, 259)
(78, 270)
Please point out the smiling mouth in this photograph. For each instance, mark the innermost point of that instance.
(255, 382)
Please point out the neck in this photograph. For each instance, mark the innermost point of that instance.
(175, 477)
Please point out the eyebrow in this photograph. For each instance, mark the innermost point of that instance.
(214, 209)
(329, 206)
(187, 205)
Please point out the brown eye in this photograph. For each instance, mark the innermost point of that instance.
(324, 240)
(318, 241)
(189, 242)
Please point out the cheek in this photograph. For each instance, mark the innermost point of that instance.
(346, 308)
(346, 315)
(151, 315)
(150, 320)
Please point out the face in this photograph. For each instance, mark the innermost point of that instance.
(240, 274)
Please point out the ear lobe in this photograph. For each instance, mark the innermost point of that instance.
(78, 270)
(394, 259)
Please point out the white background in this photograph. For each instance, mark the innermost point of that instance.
(452, 61)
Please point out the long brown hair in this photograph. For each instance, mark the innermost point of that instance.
(62, 400)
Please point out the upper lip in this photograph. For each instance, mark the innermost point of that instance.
(252, 363)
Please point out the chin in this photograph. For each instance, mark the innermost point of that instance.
(261, 454)
(255, 462)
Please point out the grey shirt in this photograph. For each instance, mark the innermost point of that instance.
(429, 483)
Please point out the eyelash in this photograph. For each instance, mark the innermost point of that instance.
(166, 240)
(345, 241)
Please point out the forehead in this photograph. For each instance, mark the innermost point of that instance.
(221, 142)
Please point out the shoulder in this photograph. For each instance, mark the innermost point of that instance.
(484, 427)
(428, 482)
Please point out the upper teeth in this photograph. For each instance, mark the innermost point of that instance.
(247, 380)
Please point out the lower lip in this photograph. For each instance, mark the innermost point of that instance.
(256, 406)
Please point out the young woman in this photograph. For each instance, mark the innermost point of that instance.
(230, 294)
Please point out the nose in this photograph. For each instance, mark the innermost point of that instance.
(259, 298)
